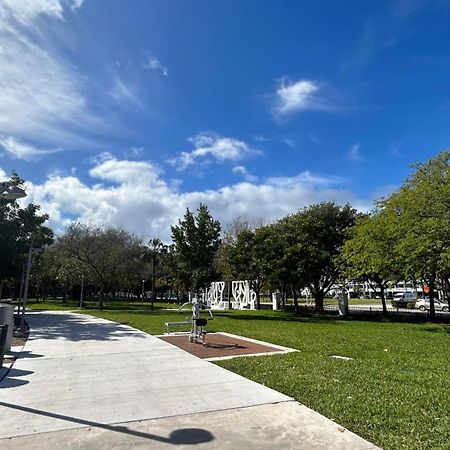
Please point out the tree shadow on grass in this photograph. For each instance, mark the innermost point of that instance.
(332, 317)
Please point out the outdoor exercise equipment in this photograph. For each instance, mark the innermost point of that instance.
(198, 331)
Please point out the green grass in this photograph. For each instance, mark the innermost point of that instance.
(395, 393)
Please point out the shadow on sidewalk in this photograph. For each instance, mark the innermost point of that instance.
(183, 436)
(10, 378)
(75, 327)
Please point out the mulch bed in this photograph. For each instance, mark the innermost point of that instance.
(218, 345)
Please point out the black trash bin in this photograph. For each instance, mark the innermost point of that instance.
(3, 334)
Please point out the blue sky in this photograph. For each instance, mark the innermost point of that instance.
(126, 112)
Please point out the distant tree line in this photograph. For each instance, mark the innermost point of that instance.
(405, 237)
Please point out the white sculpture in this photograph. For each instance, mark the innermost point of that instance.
(243, 296)
(213, 296)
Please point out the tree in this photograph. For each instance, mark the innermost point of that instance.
(420, 212)
(284, 258)
(371, 255)
(108, 255)
(154, 253)
(246, 259)
(196, 241)
(20, 229)
(315, 236)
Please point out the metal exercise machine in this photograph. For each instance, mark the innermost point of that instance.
(198, 324)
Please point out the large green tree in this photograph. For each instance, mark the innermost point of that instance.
(371, 254)
(196, 241)
(247, 259)
(420, 212)
(319, 231)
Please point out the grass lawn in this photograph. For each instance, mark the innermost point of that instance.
(395, 393)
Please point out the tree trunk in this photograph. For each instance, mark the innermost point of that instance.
(431, 284)
(383, 298)
(446, 284)
(296, 306)
(319, 297)
(100, 303)
(258, 302)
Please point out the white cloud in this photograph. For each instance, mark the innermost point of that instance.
(298, 96)
(213, 146)
(354, 154)
(153, 63)
(124, 171)
(26, 10)
(21, 150)
(140, 201)
(241, 170)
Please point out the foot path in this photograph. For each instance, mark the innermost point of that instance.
(85, 382)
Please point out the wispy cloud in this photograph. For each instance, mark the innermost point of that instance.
(241, 170)
(153, 63)
(43, 98)
(405, 8)
(298, 96)
(210, 146)
(21, 150)
(354, 153)
(374, 40)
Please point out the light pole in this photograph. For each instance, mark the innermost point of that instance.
(32, 251)
(81, 292)
(142, 298)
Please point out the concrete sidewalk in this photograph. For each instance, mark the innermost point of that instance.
(84, 382)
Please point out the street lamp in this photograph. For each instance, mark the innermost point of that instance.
(32, 251)
(143, 286)
(11, 192)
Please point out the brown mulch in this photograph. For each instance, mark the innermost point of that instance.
(217, 345)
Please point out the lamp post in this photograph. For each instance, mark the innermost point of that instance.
(142, 298)
(81, 292)
(32, 251)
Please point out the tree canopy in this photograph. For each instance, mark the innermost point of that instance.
(196, 242)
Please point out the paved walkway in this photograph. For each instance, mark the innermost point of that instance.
(84, 382)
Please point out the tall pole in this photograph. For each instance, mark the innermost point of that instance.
(143, 287)
(81, 293)
(22, 279)
(153, 281)
(25, 289)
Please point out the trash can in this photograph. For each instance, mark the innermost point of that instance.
(276, 300)
(7, 317)
(3, 335)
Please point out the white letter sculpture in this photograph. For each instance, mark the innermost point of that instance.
(243, 296)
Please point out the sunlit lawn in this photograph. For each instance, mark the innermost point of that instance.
(395, 392)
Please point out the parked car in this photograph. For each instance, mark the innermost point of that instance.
(404, 299)
(405, 296)
(424, 305)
